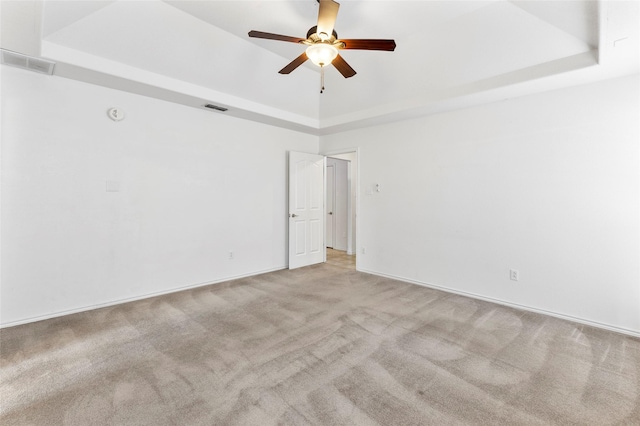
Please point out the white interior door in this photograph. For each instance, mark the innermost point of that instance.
(331, 181)
(338, 203)
(306, 209)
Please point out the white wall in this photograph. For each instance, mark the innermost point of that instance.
(194, 185)
(547, 184)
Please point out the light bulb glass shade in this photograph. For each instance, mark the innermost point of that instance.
(321, 54)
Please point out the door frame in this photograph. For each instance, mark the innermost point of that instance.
(355, 151)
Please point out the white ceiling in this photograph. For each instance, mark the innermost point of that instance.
(450, 54)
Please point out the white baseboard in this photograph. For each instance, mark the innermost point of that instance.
(634, 333)
(609, 327)
(133, 299)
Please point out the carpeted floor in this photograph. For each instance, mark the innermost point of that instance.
(322, 345)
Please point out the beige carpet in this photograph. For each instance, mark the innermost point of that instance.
(321, 345)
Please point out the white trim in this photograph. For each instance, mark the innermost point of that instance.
(394, 277)
(133, 299)
(608, 327)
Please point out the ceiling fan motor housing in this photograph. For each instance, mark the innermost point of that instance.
(314, 37)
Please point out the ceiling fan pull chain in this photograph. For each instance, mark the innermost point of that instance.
(321, 79)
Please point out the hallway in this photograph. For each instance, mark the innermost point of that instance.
(341, 258)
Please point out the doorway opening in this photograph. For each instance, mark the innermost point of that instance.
(341, 207)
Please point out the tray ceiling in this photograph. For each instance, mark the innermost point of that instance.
(450, 54)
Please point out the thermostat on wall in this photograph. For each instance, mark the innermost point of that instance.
(116, 114)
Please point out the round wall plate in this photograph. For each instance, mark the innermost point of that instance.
(116, 114)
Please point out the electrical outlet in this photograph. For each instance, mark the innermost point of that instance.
(362, 250)
(231, 255)
(514, 275)
(113, 186)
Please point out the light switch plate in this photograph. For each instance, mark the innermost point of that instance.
(113, 186)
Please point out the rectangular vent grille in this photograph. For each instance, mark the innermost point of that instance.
(216, 107)
(25, 62)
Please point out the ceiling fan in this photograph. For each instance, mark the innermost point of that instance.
(323, 44)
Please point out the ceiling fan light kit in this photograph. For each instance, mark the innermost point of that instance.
(323, 43)
(321, 54)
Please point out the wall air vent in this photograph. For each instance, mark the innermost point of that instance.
(25, 62)
(216, 107)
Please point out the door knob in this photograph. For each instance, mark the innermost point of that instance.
(293, 215)
(330, 212)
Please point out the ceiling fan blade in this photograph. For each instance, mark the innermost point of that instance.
(294, 64)
(271, 36)
(327, 14)
(342, 66)
(369, 44)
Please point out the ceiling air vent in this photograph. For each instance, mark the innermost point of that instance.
(216, 107)
(25, 62)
